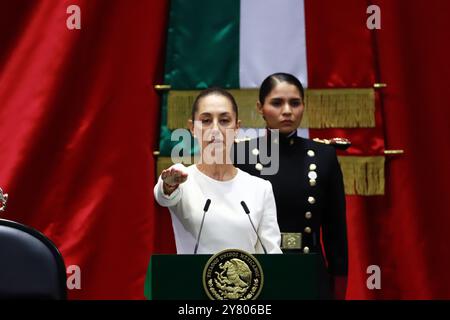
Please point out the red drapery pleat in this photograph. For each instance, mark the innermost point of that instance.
(78, 124)
(404, 232)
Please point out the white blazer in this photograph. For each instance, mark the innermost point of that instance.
(226, 224)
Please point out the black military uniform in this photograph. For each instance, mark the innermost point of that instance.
(309, 195)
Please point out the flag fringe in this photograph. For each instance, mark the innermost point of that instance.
(325, 108)
(339, 108)
(363, 176)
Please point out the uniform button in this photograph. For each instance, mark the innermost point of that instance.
(312, 182)
(305, 250)
(308, 215)
(312, 167)
(291, 142)
(308, 230)
(311, 200)
(255, 152)
(311, 153)
(275, 141)
(312, 175)
(259, 166)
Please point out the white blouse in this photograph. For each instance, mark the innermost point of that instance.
(226, 224)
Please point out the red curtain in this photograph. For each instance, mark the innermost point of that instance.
(78, 123)
(406, 231)
(413, 61)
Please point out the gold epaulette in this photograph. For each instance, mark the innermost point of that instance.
(339, 143)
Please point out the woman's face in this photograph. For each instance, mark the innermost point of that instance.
(215, 126)
(283, 108)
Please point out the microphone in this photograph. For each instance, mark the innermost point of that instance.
(205, 208)
(249, 218)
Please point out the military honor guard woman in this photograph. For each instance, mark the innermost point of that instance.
(308, 185)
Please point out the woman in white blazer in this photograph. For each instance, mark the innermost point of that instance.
(185, 190)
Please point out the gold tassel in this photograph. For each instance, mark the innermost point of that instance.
(339, 108)
(246, 100)
(363, 175)
(179, 107)
(325, 108)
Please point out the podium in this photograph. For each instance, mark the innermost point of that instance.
(286, 277)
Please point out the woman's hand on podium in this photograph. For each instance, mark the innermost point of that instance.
(172, 178)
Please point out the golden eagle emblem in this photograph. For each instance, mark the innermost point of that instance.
(232, 275)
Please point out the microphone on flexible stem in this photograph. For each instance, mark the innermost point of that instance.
(205, 208)
(249, 218)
